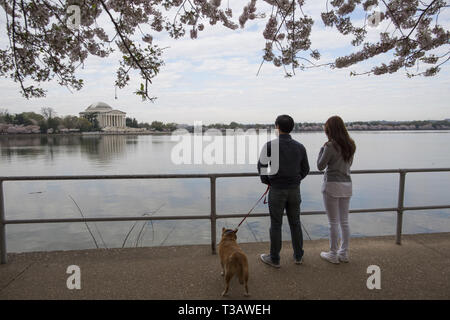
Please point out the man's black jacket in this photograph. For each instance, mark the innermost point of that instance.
(293, 163)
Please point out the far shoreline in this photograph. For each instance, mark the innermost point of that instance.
(97, 133)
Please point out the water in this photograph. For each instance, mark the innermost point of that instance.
(118, 154)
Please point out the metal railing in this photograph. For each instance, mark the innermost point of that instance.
(213, 214)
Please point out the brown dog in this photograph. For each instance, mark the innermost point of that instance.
(233, 260)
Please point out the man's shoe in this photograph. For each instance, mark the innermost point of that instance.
(268, 260)
(298, 261)
(333, 258)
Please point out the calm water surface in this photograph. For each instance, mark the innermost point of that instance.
(117, 154)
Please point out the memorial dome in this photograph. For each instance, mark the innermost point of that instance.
(99, 106)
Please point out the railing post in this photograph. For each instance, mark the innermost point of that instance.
(401, 197)
(3, 253)
(213, 214)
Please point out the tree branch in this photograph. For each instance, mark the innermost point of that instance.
(276, 33)
(393, 18)
(418, 20)
(18, 75)
(144, 72)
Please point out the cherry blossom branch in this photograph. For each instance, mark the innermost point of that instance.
(276, 33)
(393, 18)
(418, 20)
(18, 75)
(143, 71)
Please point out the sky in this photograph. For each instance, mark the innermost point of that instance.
(213, 79)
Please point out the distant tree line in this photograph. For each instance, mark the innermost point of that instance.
(154, 126)
(357, 125)
(48, 119)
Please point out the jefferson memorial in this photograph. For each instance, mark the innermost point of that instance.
(106, 116)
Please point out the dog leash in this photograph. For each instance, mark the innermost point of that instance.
(265, 201)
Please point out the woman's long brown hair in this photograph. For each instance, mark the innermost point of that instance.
(336, 131)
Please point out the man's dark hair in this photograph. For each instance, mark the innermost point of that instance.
(285, 123)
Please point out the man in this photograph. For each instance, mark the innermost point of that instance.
(284, 191)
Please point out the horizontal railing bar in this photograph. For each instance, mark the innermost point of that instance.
(427, 207)
(197, 175)
(206, 217)
(373, 210)
(105, 219)
(305, 213)
(425, 170)
(241, 215)
(107, 177)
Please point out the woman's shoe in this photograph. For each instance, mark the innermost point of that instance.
(343, 258)
(330, 257)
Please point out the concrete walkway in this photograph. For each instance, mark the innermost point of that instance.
(418, 269)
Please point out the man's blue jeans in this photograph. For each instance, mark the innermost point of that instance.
(279, 200)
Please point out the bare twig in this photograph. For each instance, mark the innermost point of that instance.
(144, 224)
(136, 222)
(129, 232)
(87, 226)
(251, 230)
(101, 237)
(165, 239)
(305, 230)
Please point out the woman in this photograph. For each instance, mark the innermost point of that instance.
(336, 156)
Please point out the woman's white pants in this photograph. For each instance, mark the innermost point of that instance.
(337, 211)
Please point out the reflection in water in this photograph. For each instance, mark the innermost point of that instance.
(21, 146)
(103, 148)
(15, 141)
(127, 154)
